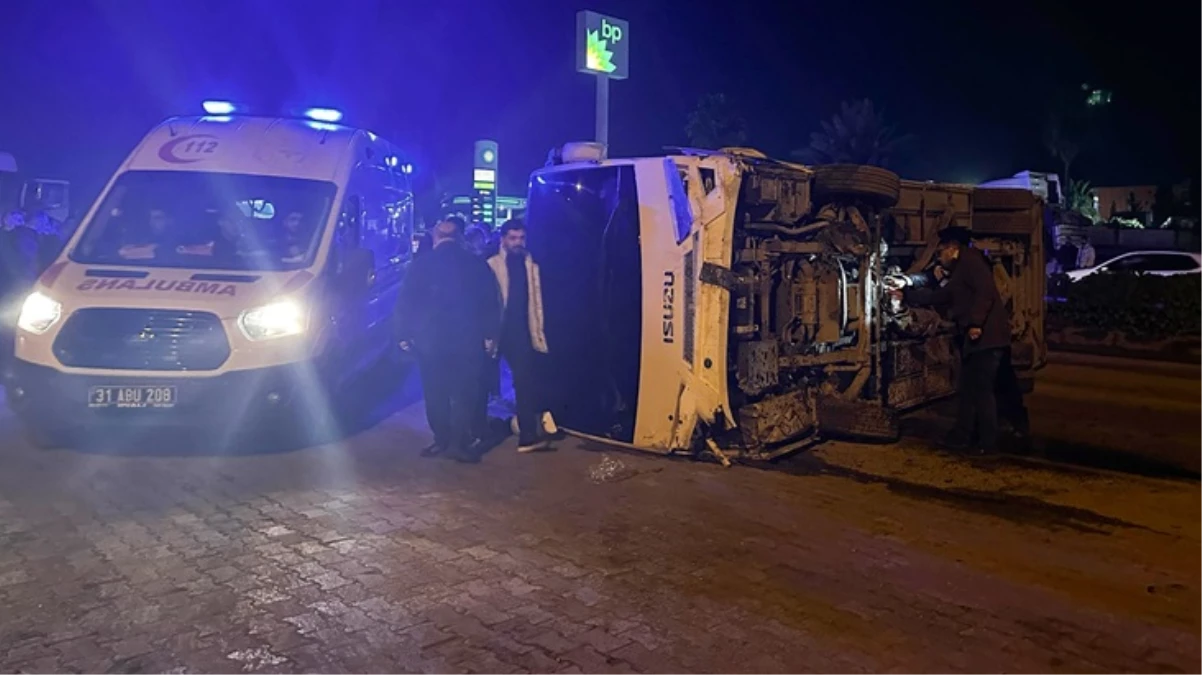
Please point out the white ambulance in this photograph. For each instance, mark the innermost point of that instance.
(233, 264)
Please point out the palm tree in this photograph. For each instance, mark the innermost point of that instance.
(858, 134)
(1061, 145)
(1075, 121)
(715, 124)
(1081, 199)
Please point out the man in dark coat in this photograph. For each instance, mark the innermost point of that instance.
(983, 320)
(448, 315)
(18, 272)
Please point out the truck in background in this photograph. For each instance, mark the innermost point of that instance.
(17, 191)
(1044, 185)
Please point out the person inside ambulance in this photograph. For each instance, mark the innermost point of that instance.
(156, 240)
(228, 246)
(234, 241)
(294, 237)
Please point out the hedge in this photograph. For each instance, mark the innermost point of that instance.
(1141, 305)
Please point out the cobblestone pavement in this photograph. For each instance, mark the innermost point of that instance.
(361, 556)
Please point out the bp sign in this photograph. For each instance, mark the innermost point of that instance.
(484, 184)
(602, 45)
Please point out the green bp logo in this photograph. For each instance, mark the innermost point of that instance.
(599, 57)
(602, 45)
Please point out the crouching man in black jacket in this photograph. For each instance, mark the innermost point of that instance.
(984, 324)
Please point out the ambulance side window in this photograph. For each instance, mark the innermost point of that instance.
(377, 220)
(400, 222)
(349, 227)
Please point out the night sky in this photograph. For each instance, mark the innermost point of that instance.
(81, 80)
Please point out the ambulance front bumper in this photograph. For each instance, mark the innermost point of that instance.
(45, 395)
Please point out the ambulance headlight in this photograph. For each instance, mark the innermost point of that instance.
(38, 313)
(277, 320)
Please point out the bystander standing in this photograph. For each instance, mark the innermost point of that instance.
(447, 315)
(523, 338)
(1086, 255)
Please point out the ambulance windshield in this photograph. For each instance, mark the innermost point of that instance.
(197, 220)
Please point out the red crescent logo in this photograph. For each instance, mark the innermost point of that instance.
(196, 145)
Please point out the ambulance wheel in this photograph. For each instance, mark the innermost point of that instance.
(45, 437)
(872, 184)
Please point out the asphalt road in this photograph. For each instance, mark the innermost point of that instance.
(1132, 412)
(162, 555)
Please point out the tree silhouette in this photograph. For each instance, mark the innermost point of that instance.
(1061, 144)
(1081, 199)
(715, 124)
(858, 134)
(1073, 125)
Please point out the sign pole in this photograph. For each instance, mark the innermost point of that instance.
(603, 110)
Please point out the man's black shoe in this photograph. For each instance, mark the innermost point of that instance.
(464, 456)
(433, 450)
(1020, 444)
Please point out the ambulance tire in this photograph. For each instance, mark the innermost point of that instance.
(287, 427)
(879, 187)
(44, 437)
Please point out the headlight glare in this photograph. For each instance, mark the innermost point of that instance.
(276, 320)
(38, 313)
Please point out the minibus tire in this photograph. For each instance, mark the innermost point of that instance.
(872, 184)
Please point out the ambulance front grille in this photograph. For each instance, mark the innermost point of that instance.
(142, 339)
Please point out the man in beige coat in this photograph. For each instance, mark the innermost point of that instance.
(523, 339)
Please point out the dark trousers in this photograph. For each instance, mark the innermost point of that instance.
(523, 363)
(451, 386)
(978, 403)
(1010, 396)
(490, 380)
(9, 309)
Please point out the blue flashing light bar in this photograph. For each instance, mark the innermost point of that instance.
(328, 115)
(219, 107)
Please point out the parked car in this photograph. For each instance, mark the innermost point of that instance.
(1159, 263)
